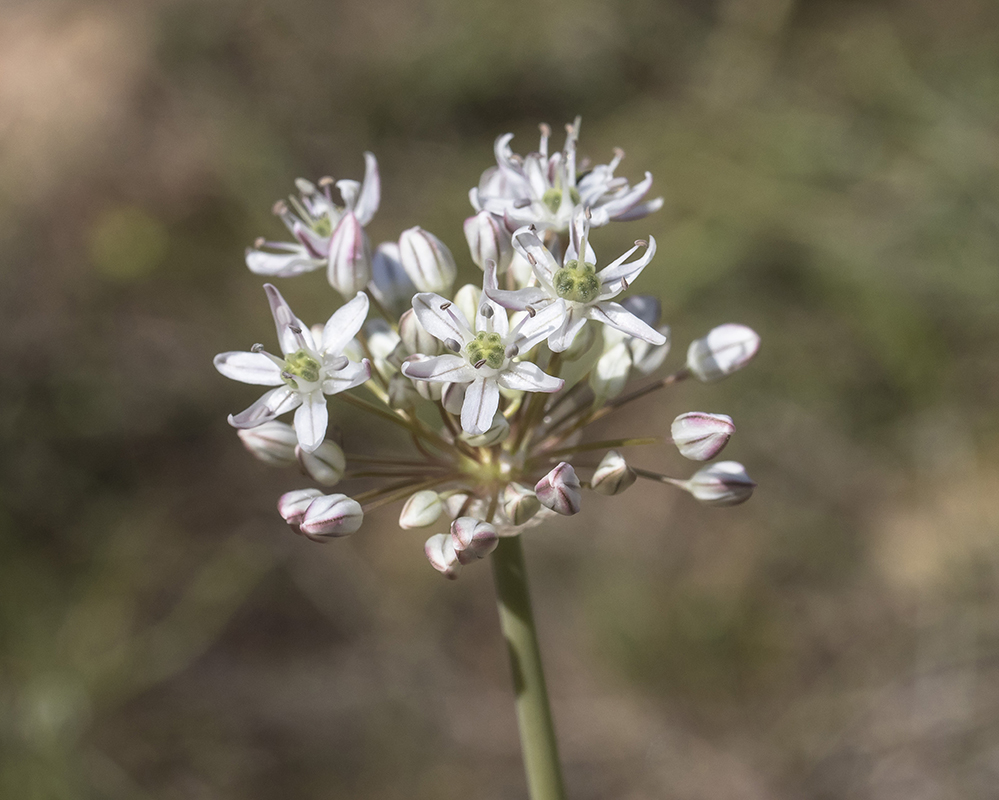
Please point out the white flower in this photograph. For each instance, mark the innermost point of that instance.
(543, 190)
(575, 287)
(326, 235)
(306, 373)
(483, 359)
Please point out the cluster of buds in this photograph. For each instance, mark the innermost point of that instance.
(492, 386)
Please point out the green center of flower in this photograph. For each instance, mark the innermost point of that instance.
(303, 366)
(486, 347)
(323, 226)
(578, 282)
(553, 198)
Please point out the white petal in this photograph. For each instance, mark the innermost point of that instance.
(617, 316)
(352, 375)
(561, 339)
(311, 420)
(621, 269)
(253, 368)
(441, 318)
(539, 327)
(481, 402)
(576, 232)
(530, 247)
(641, 210)
(344, 324)
(284, 320)
(371, 191)
(623, 203)
(281, 265)
(525, 376)
(270, 405)
(446, 368)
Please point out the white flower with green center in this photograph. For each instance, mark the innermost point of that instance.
(575, 287)
(482, 359)
(542, 190)
(326, 234)
(305, 374)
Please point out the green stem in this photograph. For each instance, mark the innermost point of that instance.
(537, 733)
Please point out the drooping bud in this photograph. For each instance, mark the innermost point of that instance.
(349, 267)
(331, 515)
(442, 556)
(613, 475)
(273, 443)
(519, 503)
(325, 464)
(723, 484)
(699, 436)
(559, 490)
(467, 300)
(488, 240)
(498, 432)
(472, 539)
(401, 392)
(427, 261)
(421, 509)
(724, 350)
(415, 337)
(389, 282)
(292, 505)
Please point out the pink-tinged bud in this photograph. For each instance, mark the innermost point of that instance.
(349, 267)
(273, 443)
(415, 337)
(292, 505)
(472, 539)
(389, 281)
(613, 475)
(488, 240)
(427, 261)
(421, 509)
(325, 465)
(700, 436)
(519, 503)
(559, 490)
(724, 350)
(331, 515)
(442, 556)
(723, 484)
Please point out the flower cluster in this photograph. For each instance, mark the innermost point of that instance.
(492, 386)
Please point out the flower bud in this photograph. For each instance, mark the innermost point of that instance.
(644, 306)
(472, 539)
(401, 392)
(467, 300)
(273, 443)
(488, 240)
(647, 358)
(453, 396)
(559, 490)
(498, 432)
(421, 509)
(613, 475)
(700, 436)
(582, 342)
(415, 337)
(519, 503)
(610, 374)
(724, 350)
(389, 282)
(349, 268)
(382, 342)
(427, 261)
(331, 515)
(292, 505)
(442, 556)
(325, 464)
(723, 484)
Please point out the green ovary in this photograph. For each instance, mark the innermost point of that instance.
(577, 282)
(486, 347)
(302, 365)
(323, 226)
(553, 198)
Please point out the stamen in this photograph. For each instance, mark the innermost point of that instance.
(532, 260)
(280, 208)
(624, 284)
(545, 129)
(325, 181)
(480, 364)
(512, 351)
(445, 306)
(295, 329)
(288, 376)
(531, 311)
(257, 348)
(452, 345)
(641, 243)
(259, 242)
(486, 310)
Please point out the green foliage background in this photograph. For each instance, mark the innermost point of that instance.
(830, 172)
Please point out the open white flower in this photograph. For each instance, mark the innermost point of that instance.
(484, 359)
(575, 287)
(326, 234)
(307, 372)
(542, 190)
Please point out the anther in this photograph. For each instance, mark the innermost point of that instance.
(295, 329)
(452, 345)
(532, 260)
(486, 310)
(480, 364)
(624, 284)
(545, 129)
(288, 376)
(531, 311)
(325, 181)
(586, 211)
(618, 153)
(257, 348)
(280, 207)
(641, 243)
(511, 351)
(259, 242)
(445, 306)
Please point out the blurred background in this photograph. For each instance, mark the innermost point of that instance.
(830, 172)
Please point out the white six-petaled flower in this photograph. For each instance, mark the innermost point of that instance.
(307, 372)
